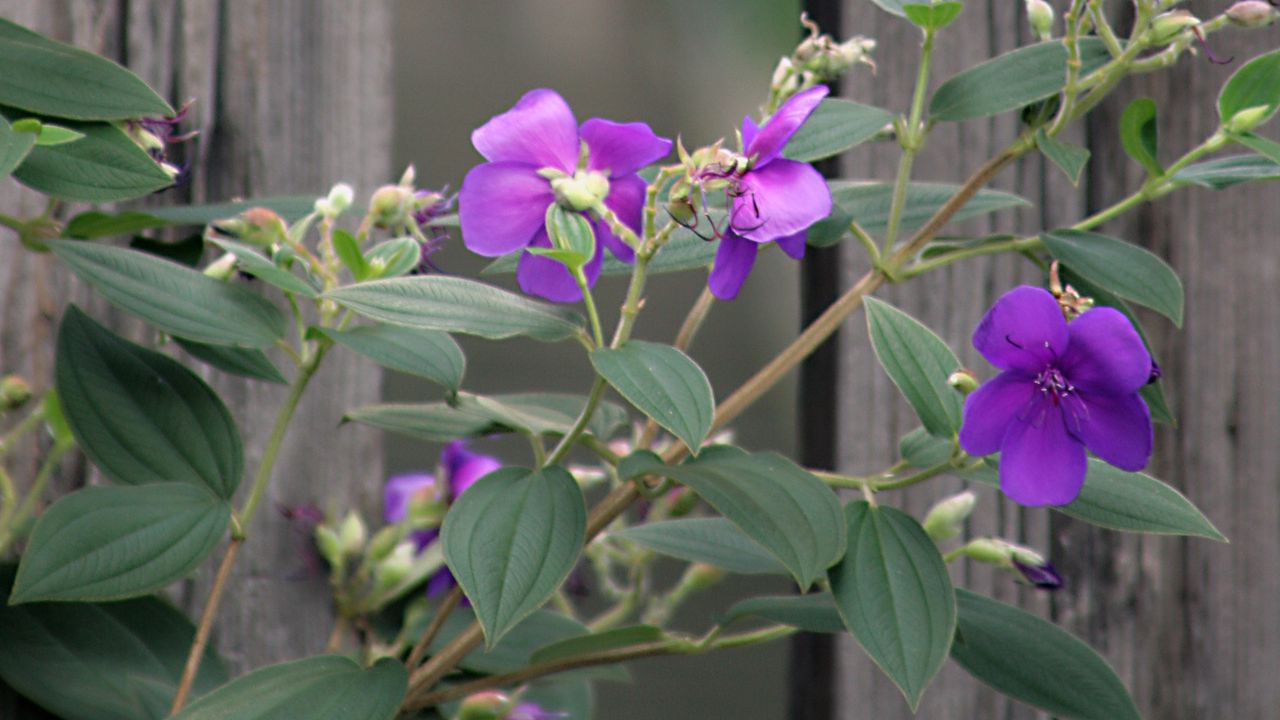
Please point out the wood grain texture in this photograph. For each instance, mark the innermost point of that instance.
(1192, 627)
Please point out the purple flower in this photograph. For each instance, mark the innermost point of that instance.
(1065, 387)
(534, 152)
(774, 199)
(1040, 575)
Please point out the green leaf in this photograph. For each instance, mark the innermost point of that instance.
(52, 78)
(258, 265)
(96, 224)
(245, 362)
(1139, 134)
(1269, 149)
(103, 166)
(111, 543)
(714, 541)
(684, 251)
(188, 251)
(1228, 171)
(932, 15)
(55, 134)
(918, 362)
(1255, 85)
(106, 648)
(394, 257)
(664, 384)
(1136, 502)
(834, 127)
(478, 415)
(173, 298)
(327, 687)
(345, 247)
(894, 594)
(1012, 80)
(1125, 269)
(923, 450)
(1069, 158)
(812, 613)
(830, 230)
(14, 147)
(573, 242)
(510, 541)
(868, 203)
(775, 502)
(455, 304)
(598, 642)
(1037, 662)
(891, 6)
(140, 416)
(516, 648)
(427, 354)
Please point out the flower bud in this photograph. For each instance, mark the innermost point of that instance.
(1252, 13)
(701, 576)
(394, 567)
(945, 519)
(487, 705)
(1249, 118)
(683, 501)
(384, 541)
(329, 546)
(352, 535)
(14, 393)
(583, 191)
(256, 226)
(222, 268)
(1167, 27)
(339, 199)
(391, 206)
(826, 59)
(987, 551)
(1040, 17)
(963, 381)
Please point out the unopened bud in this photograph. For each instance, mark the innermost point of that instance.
(384, 541)
(393, 568)
(338, 200)
(945, 520)
(1252, 13)
(329, 546)
(1167, 27)
(1249, 118)
(14, 393)
(1040, 17)
(487, 705)
(821, 55)
(391, 206)
(222, 268)
(255, 226)
(987, 551)
(701, 576)
(409, 176)
(352, 535)
(963, 381)
(683, 501)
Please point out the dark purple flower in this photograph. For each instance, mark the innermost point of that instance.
(533, 151)
(428, 206)
(1065, 387)
(774, 199)
(1042, 575)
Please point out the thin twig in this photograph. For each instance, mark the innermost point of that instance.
(446, 608)
(206, 626)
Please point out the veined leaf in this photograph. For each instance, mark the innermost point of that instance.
(1139, 134)
(811, 613)
(868, 203)
(918, 362)
(1012, 80)
(427, 354)
(834, 127)
(477, 415)
(1123, 268)
(103, 166)
(714, 541)
(664, 384)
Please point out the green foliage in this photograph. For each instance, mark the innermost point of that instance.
(470, 415)
(1069, 158)
(245, 362)
(713, 541)
(598, 642)
(1225, 172)
(14, 147)
(251, 261)
(427, 354)
(868, 203)
(932, 16)
(1139, 134)
(515, 650)
(834, 127)
(1254, 87)
(1123, 268)
(573, 241)
(664, 384)
(918, 362)
(103, 166)
(812, 613)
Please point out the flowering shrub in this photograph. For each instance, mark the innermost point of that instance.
(462, 604)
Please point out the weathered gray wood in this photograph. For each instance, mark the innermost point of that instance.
(1192, 627)
(289, 98)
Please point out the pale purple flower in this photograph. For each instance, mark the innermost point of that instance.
(773, 199)
(1065, 387)
(532, 711)
(503, 203)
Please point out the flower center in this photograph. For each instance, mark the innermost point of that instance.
(583, 190)
(1054, 385)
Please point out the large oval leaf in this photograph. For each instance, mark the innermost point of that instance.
(664, 384)
(1012, 80)
(869, 203)
(510, 541)
(895, 596)
(245, 362)
(714, 541)
(775, 502)
(1037, 662)
(141, 416)
(835, 126)
(1125, 269)
(92, 662)
(1228, 171)
(103, 166)
(175, 299)
(812, 613)
(326, 687)
(429, 354)
(455, 304)
(918, 362)
(110, 543)
(477, 415)
(1255, 85)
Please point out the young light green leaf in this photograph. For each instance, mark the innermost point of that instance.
(14, 147)
(598, 642)
(325, 687)
(918, 362)
(510, 541)
(775, 502)
(1012, 80)
(1255, 85)
(245, 362)
(932, 15)
(1037, 662)
(714, 541)
(345, 247)
(573, 242)
(868, 203)
(140, 416)
(103, 166)
(105, 647)
(455, 304)
(52, 78)
(1139, 134)
(894, 594)
(664, 384)
(258, 265)
(834, 127)
(394, 257)
(111, 543)
(1123, 268)
(175, 299)
(56, 135)
(1228, 171)
(812, 613)
(1069, 158)
(428, 354)
(1269, 149)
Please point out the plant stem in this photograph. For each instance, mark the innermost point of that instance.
(596, 331)
(446, 608)
(566, 443)
(912, 140)
(34, 493)
(26, 425)
(206, 626)
(693, 321)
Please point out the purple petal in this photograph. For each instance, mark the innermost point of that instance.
(399, 490)
(990, 409)
(422, 538)
(1117, 428)
(749, 131)
(768, 143)
(1024, 330)
(626, 200)
(549, 279)
(1040, 462)
(463, 467)
(793, 245)
(1105, 353)
(780, 199)
(734, 259)
(1044, 577)
(539, 130)
(501, 206)
(440, 583)
(622, 148)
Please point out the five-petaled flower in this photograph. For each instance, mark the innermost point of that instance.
(535, 159)
(1065, 387)
(773, 199)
